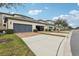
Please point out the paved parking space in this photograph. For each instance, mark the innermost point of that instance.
(26, 34)
(43, 45)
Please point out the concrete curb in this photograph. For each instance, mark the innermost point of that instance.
(65, 49)
(61, 49)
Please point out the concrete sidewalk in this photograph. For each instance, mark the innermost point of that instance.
(65, 48)
(55, 34)
(44, 45)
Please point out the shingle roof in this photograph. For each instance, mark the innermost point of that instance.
(15, 14)
(6, 13)
(23, 18)
(35, 21)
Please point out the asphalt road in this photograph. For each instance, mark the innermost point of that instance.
(75, 43)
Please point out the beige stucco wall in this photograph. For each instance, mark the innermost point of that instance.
(3, 16)
(10, 24)
(0, 21)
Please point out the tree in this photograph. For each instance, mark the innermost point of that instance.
(64, 24)
(58, 23)
(61, 23)
(70, 27)
(9, 5)
(77, 28)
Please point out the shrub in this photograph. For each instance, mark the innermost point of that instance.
(9, 31)
(35, 30)
(50, 30)
(46, 30)
(1, 32)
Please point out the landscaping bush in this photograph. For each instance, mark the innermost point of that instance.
(49, 29)
(35, 30)
(9, 31)
(46, 29)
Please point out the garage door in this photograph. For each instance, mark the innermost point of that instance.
(22, 27)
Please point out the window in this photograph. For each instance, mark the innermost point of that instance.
(5, 20)
(4, 25)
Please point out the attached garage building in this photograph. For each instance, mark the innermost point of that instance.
(24, 25)
(22, 28)
(21, 23)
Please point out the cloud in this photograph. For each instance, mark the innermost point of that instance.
(72, 18)
(61, 16)
(34, 12)
(77, 4)
(54, 18)
(74, 13)
(71, 24)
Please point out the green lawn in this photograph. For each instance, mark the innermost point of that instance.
(12, 45)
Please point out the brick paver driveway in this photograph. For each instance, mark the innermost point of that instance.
(26, 34)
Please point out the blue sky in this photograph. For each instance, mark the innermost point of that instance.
(49, 11)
